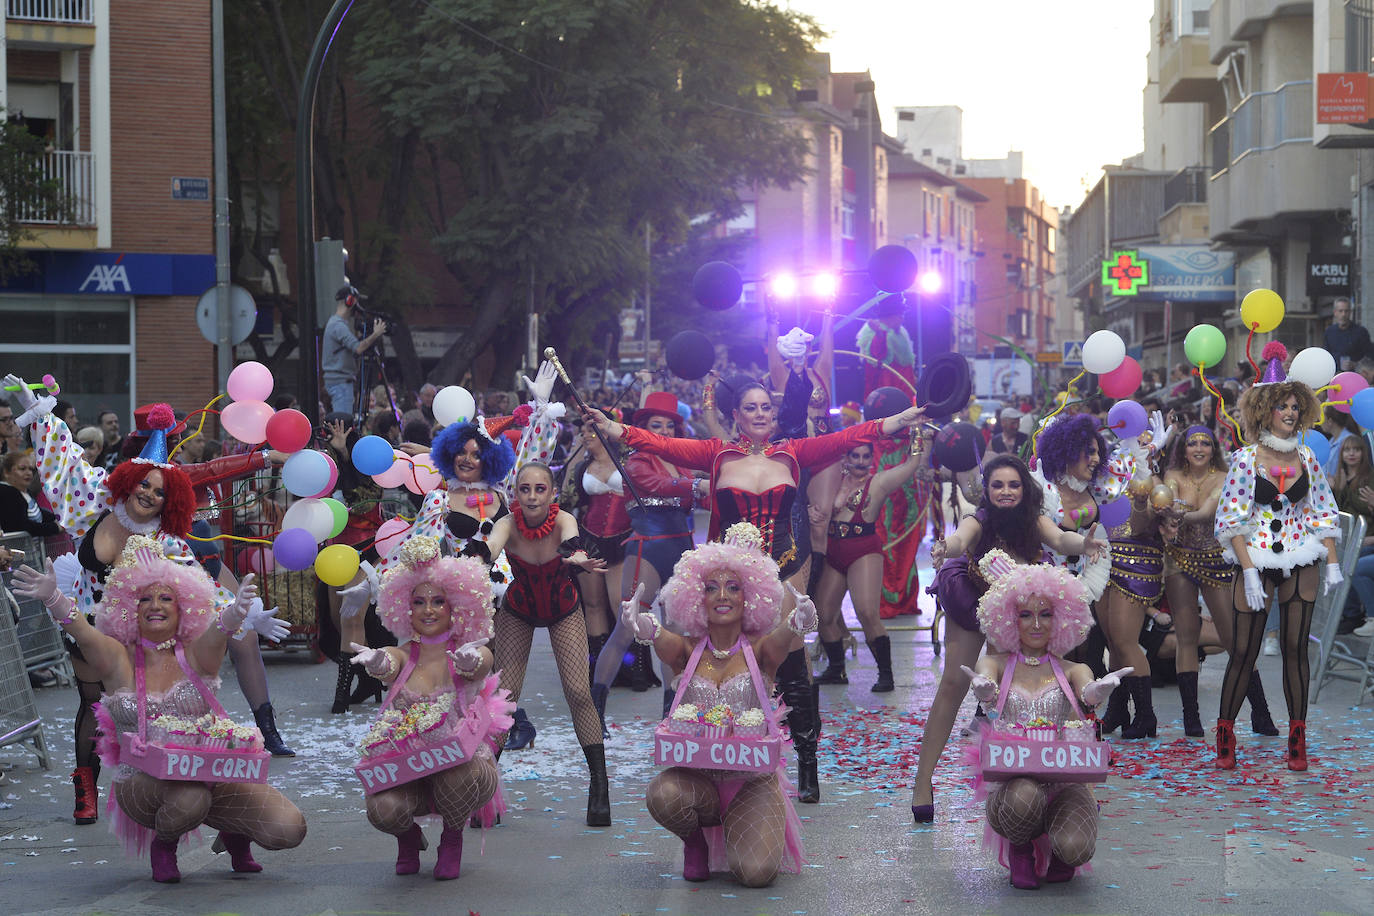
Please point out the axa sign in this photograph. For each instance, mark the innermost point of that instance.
(106, 278)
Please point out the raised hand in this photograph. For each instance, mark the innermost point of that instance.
(984, 688)
(1159, 430)
(467, 658)
(24, 395)
(804, 615)
(30, 583)
(1100, 689)
(541, 389)
(264, 622)
(644, 626)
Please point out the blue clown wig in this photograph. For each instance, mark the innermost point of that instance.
(497, 457)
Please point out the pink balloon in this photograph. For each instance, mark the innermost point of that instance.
(1345, 386)
(397, 474)
(246, 421)
(1123, 381)
(261, 561)
(333, 478)
(250, 381)
(389, 535)
(425, 477)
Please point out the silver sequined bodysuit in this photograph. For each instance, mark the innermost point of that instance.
(183, 699)
(737, 692)
(1050, 702)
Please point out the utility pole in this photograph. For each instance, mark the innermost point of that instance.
(224, 345)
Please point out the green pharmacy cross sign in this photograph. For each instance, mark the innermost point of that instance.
(1125, 273)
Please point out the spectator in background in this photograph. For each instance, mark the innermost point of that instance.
(91, 440)
(1008, 437)
(1337, 427)
(110, 455)
(66, 412)
(1346, 341)
(19, 511)
(286, 402)
(11, 436)
(339, 350)
(1181, 383)
(1366, 368)
(424, 410)
(1353, 486)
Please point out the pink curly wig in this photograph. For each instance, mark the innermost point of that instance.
(117, 615)
(998, 608)
(684, 595)
(466, 584)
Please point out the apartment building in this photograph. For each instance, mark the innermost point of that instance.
(121, 94)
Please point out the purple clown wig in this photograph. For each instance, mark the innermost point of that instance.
(1065, 441)
(464, 581)
(684, 595)
(998, 609)
(142, 564)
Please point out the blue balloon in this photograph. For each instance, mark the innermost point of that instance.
(1115, 513)
(305, 473)
(372, 455)
(1362, 408)
(1321, 448)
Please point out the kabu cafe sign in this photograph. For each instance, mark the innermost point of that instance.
(1328, 274)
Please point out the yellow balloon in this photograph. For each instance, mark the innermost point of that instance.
(336, 565)
(1261, 310)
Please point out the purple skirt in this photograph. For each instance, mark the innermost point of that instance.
(1138, 569)
(958, 593)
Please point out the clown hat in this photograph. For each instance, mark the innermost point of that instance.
(1273, 355)
(491, 427)
(158, 420)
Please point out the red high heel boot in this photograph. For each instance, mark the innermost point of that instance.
(1297, 744)
(1226, 744)
(87, 809)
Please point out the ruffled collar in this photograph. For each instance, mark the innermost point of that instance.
(122, 514)
(1269, 440)
(1073, 483)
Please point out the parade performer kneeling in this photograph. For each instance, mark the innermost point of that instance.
(432, 748)
(157, 644)
(1032, 616)
(726, 598)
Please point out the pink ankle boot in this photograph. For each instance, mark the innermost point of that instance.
(1059, 871)
(450, 854)
(695, 855)
(164, 857)
(408, 846)
(1023, 868)
(240, 852)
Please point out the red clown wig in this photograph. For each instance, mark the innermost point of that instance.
(179, 506)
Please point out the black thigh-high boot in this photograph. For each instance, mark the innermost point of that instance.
(803, 720)
(598, 790)
(594, 646)
(1187, 692)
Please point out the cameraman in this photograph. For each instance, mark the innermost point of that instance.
(340, 350)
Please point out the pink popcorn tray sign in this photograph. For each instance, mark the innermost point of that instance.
(198, 764)
(430, 754)
(759, 755)
(1003, 756)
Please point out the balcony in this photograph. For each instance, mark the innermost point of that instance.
(1185, 72)
(50, 24)
(75, 174)
(57, 12)
(1234, 22)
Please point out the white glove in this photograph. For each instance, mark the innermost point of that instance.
(1100, 689)
(541, 389)
(804, 616)
(24, 395)
(356, 598)
(643, 626)
(232, 617)
(1159, 430)
(374, 661)
(264, 622)
(34, 406)
(30, 583)
(985, 689)
(467, 658)
(1334, 578)
(1254, 589)
(792, 345)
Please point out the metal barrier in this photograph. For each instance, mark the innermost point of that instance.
(40, 640)
(1339, 658)
(19, 719)
(293, 593)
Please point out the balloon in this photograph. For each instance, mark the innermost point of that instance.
(1129, 413)
(339, 514)
(892, 268)
(396, 475)
(372, 455)
(288, 431)
(717, 285)
(294, 548)
(1103, 351)
(885, 402)
(1115, 513)
(1205, 345)
(1314, 367)
(305, 473)
(246, 421)
(423, 477)
(1347, 385)
(1123, 381)
(333, 478)
(454, 405)
(311, 516)
(1161, 497)
(250, 381)
(958, 447)
(389, 535)
(1362, 408)
(1261, 310)
(689, 355)
(336, 565)
(260, 561)
(1321, 448)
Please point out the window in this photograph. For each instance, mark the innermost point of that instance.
(1191, 17)
(1359, 16)
(746, 223)
(847, 220)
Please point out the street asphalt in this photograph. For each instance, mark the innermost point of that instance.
(1176, 835)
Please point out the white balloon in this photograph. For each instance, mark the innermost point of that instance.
(453, 405)
(1103, 352)
(1314, 367)
(312, 515)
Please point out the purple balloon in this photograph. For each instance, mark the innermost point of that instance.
(1110, 514)
(1129, 413)
(294, 549)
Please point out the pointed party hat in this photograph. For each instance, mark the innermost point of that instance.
(1273, 355)
(161, 419)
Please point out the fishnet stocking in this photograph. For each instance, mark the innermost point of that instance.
(169, 808)
(1017, 810)
(755, 832)
(461, 790)
(1071, 823)
(568, 638)
(394, 810)
(683, 800)
(257, 811)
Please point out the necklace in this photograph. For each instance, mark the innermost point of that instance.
(719, 653)
(1197, 482)
(1032, 660)
(149, 644)
(122, 515)
(533, 534)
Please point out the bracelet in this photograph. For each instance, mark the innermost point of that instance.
(388, 668)
(1083, 695)
(465, 672)
(219, 625)
(658, 628)
(795, 627)
(56, 600)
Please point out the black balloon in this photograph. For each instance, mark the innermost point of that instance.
(689, 355)
(944, 386)
(958, 447)
(885, 402)
(892, 268)
(717, 285)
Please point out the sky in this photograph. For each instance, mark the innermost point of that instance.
(1060, 80)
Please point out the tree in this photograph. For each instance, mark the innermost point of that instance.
(29, 193)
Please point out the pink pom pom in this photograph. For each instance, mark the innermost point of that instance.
(160, 416)
(521, 416)
(50, 383)
(1274, 350)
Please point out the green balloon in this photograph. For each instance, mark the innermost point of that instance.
(1205, 345)
(340, 514)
